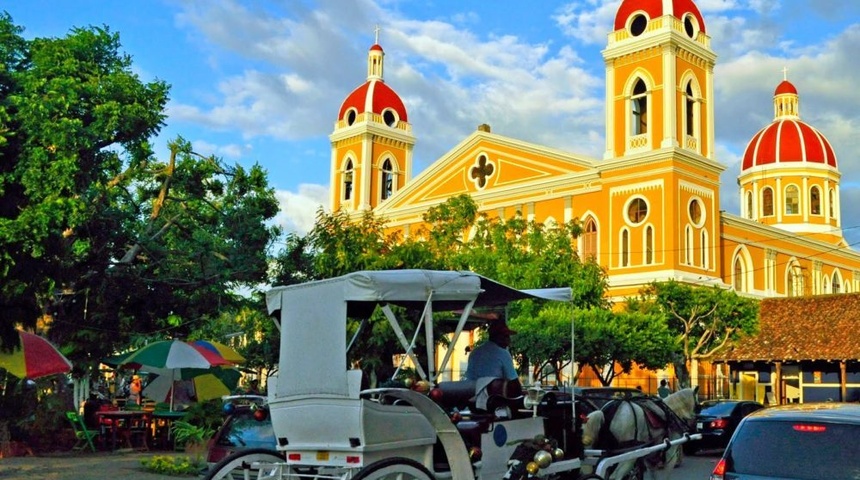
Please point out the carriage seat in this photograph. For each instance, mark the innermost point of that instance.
(483, 395)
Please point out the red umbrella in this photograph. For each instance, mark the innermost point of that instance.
(35, 357)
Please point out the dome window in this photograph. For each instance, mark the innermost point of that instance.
(691, 26)
(767, 202)
(638, 24)
(815, 201)
(792, 200)
(351, 116)
(389, 116)
(637, 211)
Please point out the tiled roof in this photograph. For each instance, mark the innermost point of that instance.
(825, 327)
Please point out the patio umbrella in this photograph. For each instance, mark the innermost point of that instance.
(208, 384)
(227, 353)
(174, 354)
(170, 357)
(35, 357)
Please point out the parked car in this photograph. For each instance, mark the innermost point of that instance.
(247, 425)
(599, 396)
(717, 421)
(794, 442)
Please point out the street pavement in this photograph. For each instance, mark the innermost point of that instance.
(126, 465)
(81, 466)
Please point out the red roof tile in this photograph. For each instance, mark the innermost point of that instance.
(823, 327)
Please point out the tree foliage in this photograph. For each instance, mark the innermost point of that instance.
(705, 320)
(96, 234)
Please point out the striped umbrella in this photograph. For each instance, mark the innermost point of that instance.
(174, 354)
(224, 351)
(35, 357)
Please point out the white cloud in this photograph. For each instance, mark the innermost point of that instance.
(232, 150)
(298, 209)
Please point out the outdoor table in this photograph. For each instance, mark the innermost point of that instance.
(163, 419)
(121, 419)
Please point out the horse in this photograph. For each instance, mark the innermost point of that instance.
(638, 421)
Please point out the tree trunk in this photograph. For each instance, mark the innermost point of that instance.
(694, 372)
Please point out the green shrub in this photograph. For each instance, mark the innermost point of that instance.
(170, 465)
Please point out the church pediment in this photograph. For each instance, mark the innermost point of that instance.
(486, 163)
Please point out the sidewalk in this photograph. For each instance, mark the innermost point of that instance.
(83, 466)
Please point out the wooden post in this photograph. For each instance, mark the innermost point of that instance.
(843, 389)
(777, 390)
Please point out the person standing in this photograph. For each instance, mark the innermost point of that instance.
(663, 389)
(134, 389)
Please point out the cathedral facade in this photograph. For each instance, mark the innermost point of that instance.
(650, 208)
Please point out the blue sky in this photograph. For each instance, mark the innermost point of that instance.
(262, 81)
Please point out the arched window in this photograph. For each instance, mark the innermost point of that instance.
(835, 284)
(688, 245)
(639, 108)
(347, 180)
(750, 211)
(625, 248)
(387, 184)
(831, 203)
(704, 249)
(690, 110)
(738, 271)
(792, 200)
(795, 286)
(815, 201)
(589, 239)
(649, 245)
(767, 202)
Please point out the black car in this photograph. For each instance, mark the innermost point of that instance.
(246, 426)
(717, 421)
(794, 442)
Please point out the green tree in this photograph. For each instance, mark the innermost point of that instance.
(97, 234)
(705, 320)
(610, 343)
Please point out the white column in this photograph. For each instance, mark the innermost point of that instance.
(670, 96)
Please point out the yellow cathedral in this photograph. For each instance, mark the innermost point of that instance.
(650, 207)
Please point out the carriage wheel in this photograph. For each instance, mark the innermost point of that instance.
(395, 468)
(238, 465)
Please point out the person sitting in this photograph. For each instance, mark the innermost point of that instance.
(492, 358)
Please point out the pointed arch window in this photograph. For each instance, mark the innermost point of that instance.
(832, 203)
(750, 210)
(348, 173)
(792, 200)
(639, 108)
(690, 117)
(738, 272)
(387, 183)
(767, 202)
(835, 284)
(625, 248)
(688, 245)
(649, 245)
(589, 239)
(795, 287)
(815, 200)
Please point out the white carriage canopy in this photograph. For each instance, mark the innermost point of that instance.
(315, 313)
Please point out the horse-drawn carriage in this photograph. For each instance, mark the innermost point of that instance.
(328, 427)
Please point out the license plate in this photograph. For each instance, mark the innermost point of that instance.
(698, 425)
(322, 456)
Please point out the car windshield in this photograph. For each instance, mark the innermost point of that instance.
(717, 409)
(797, 450)
(245, 431)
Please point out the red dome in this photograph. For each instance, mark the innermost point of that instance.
(654, 9)
(785, 87)
(376, 46)
(374, 96)
(788, 140)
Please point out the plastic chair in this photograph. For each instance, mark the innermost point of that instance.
(82, 433)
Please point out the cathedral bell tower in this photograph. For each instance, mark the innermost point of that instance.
(372, 142)
(659, 79)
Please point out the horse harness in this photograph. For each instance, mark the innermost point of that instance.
(650, 407)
